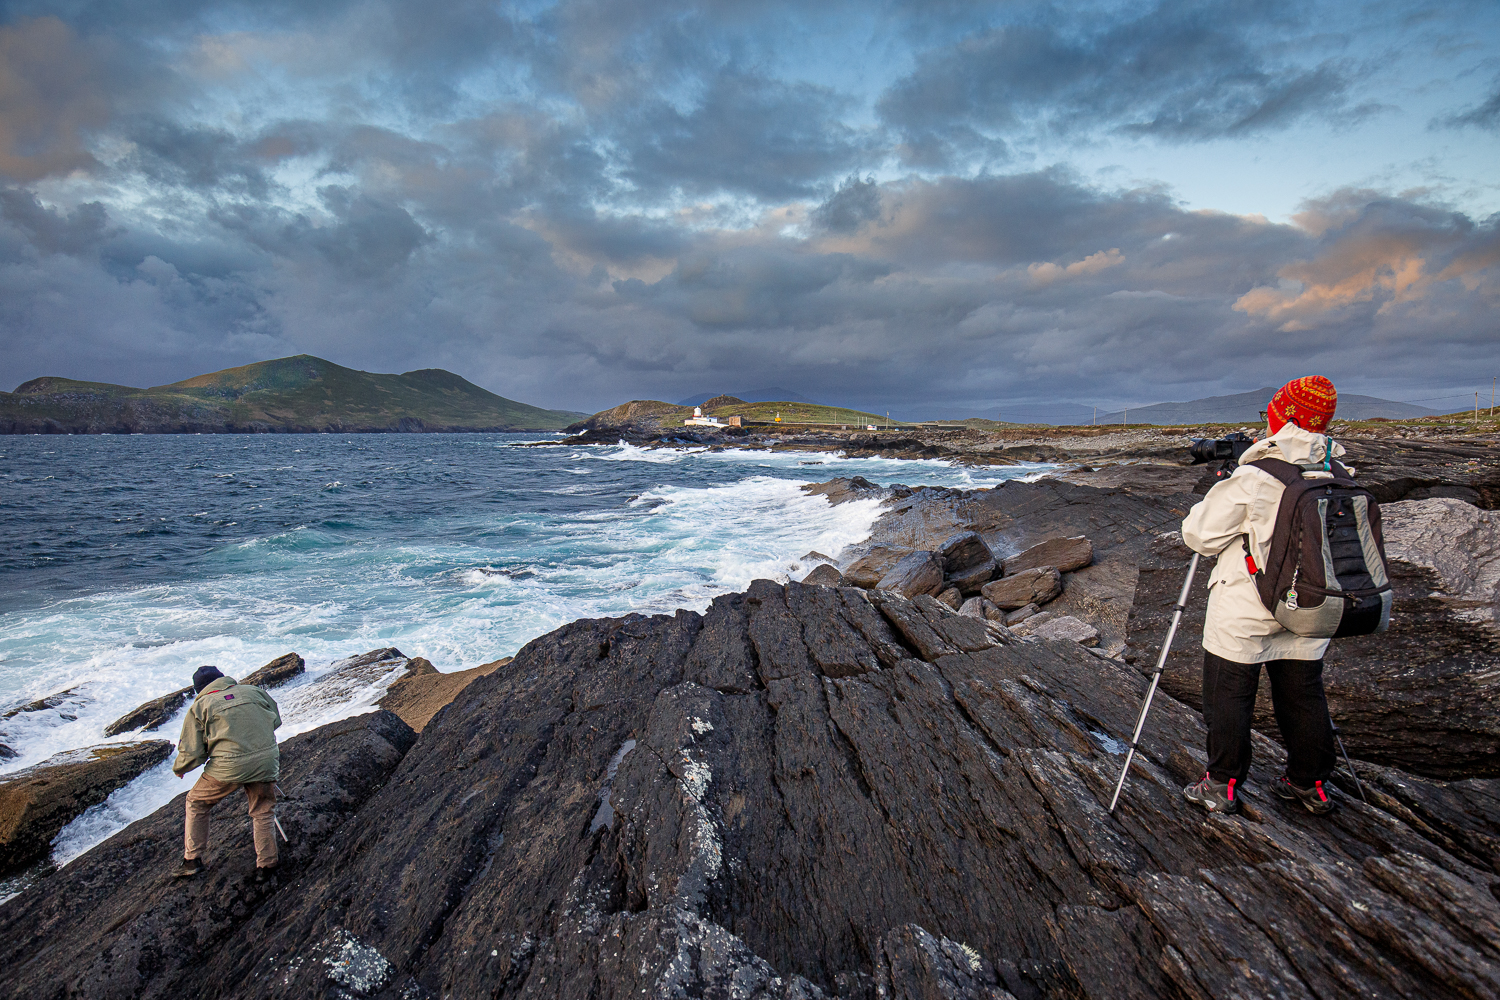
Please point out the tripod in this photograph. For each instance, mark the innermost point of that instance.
(1161, 663)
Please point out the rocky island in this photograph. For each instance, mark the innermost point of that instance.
(889, 781)
(301, 394)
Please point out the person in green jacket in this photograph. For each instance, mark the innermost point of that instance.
(233, 727)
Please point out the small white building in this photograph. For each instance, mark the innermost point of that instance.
(699, 420)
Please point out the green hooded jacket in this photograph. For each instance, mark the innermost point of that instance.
(233, 727)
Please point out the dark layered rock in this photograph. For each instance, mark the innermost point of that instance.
(810, 792)
(36, 803)
(114, 923)
(1064, 553)
(914, 573)
(1030, 586)
(1420, 696)
(1411, 467)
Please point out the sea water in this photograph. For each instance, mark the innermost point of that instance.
(128, 561)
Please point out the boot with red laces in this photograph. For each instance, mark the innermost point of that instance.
(1215, 796)
(1314, 799)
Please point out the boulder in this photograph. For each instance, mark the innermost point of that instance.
(867, 571)
(1419, 696)
(277, 672)
(1019, 615)
(951, 597)
(843, 490)
(1030, 586)
(1069, 628)
(1065, 553)
(825, 576)
(914, 573)
(152, 715)
(36, 803)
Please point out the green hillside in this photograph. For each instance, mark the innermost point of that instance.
(297, 394)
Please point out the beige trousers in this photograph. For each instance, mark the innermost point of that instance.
(207, 791)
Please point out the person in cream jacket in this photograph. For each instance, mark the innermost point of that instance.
(1240, 635)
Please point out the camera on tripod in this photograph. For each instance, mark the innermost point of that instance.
(1227, 449)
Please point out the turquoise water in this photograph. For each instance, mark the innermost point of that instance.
(127, 561)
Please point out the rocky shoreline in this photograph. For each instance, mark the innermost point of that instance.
(816, 790)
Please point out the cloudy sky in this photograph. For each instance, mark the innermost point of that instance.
(936, 207)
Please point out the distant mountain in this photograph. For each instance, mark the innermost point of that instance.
(1245, 407)
(775, 394)
(297, 394)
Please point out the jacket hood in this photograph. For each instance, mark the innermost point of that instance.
(1292, 444)
(217, 684)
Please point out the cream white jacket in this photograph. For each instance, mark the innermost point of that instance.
(1238, 626)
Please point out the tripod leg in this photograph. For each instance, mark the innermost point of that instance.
(1347, 762)
(1161, 662)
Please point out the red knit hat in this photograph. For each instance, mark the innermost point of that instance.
(1308, 402)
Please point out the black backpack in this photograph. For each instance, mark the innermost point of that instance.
(1326, 575)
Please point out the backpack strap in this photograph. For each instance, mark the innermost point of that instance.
(1288, 473)
(1285, 472)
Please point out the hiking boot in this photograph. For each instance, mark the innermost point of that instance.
(190, 867)
(266, 874)
(1315, 799)
(1213, 795)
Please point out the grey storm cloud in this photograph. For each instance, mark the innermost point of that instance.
(1175, 71)
(618, 198)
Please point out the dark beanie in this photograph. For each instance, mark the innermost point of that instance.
(204, 676)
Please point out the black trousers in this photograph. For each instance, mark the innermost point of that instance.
(1301, 714)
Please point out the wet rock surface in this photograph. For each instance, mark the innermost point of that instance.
(114, 923)
(36, 803)
(811, 792)
(1421, 696)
